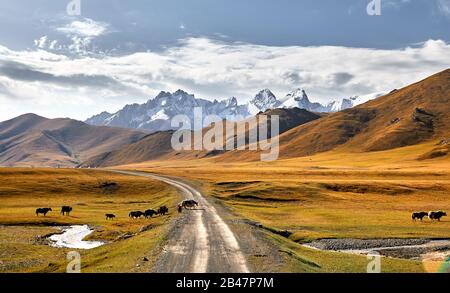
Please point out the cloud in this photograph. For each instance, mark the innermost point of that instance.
(21, 72)
(341, 77)
(41, 42)
(85, 28)
(444, 7)
(78, 36)
(80, 86)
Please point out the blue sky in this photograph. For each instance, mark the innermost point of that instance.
(156, 23)
(119, 52)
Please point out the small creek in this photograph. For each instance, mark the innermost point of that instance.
(419, 249)
(72, 237)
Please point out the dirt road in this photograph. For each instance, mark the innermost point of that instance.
(201, 241)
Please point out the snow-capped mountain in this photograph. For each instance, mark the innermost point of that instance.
(262, 102)
(299, 99)
(347, 103)
(156, 114)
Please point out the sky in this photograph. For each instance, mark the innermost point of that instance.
(58, 59)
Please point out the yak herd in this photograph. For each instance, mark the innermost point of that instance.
(189, 204)
(186, 204)
(66, 210)
(149, 213)
(433, 216)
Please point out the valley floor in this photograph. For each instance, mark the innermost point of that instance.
(288, 203)
(332, 195)
(131, 245)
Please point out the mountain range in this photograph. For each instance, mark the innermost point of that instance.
(158, 145)
(156, 114)
(412, 115)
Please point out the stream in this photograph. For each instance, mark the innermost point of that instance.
(72, 237)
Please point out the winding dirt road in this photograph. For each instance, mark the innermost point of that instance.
(201, 242)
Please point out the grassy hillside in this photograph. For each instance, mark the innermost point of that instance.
(412, 115)
(31, 140)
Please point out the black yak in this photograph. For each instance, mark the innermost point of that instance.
(136, 214)
(436, 215)
(419, 216)
(163, 210)
(65, 210)
(150, 213)
(43, 211)
(110, 216)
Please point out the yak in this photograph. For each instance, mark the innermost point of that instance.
(419, 216)
(150, 213)
(187, 204)
(163, 210)
(436, 215)
(110, 216)
(43, 211)
(65, 210)
(136, 214)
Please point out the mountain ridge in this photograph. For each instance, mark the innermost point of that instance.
(156, 113)
(412, 115)
(32, 140)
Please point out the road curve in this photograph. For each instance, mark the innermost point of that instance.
(201, 242)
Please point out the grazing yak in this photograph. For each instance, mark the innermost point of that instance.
(419, 216)
(65, 210)
(436, 215)
(163, 210)
(110, 216)
(43, 211)
(136, 214)
(150, 213)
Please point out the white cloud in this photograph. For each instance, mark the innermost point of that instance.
(56, 85)
(79, 36)
(41, 42)
(85, 28)
(53, 45)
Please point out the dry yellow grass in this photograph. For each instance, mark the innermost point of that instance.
(337, 194)
(24, 190)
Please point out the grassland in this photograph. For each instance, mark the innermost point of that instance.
(331, 195)
(337, 194)
(22, 248)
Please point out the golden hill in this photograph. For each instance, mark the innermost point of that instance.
(31, 140)
(409, 116)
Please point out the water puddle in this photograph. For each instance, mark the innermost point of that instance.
(72, 237)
